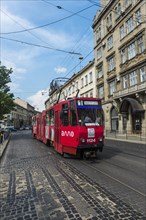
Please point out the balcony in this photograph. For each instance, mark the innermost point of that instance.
(132, 90)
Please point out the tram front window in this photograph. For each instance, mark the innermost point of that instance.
(90, 116)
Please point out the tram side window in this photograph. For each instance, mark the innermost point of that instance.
(51, 118)
(34, 121)
(73, 118)
(64, 115)
(47, 118)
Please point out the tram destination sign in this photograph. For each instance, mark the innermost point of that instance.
(87, 102)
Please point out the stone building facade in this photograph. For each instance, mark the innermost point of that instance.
(120, 62)
(21, 116)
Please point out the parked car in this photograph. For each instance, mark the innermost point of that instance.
(22, 128)
(27, 128)
(10, 128)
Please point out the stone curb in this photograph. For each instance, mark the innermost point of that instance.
(4, 145)
(126, 140)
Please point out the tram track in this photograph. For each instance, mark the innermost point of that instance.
(109, 176)
(115, 179)
(93, 193)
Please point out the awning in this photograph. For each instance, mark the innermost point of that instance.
(135, 106)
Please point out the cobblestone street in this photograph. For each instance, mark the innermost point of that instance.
(37, 184)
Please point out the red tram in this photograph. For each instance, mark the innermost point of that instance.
(73, 126)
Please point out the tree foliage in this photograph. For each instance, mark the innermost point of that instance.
(6, 98)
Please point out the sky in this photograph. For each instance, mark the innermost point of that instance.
(42, 40)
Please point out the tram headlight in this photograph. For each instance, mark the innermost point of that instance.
(100, 139)
(82, 140)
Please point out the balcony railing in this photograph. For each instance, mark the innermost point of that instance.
(131, 90)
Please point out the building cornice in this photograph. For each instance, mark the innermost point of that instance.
(102, 13)
(126, 70)
(133, 37)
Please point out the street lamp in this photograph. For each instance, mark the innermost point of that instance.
(80, 58)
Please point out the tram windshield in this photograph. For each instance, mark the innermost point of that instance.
(89, 113)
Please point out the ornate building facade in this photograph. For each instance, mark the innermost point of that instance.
(120, 62)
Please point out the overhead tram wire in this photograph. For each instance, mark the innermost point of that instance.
(45, 25)
(79, 63)
(60, 7)
(37, 45)
(23, 27)
(74, 48)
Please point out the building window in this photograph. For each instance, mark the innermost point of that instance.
(142, 74)
(86, 80)
(82, 82)
(100, 92)
(110, 42)
(127, 3)
(77, 86)
(90, 77)
(91, 94)
(138, 17)
(98, 33)
(125, 82)
(123, 55)
(122, 33)
(99, 53)
(109, 20)
(112, 87)
(69, 91)
(111, 64)
(131, 51)
(140, 44)
(118, 10)
(73, 88)
(129, 25)
(133, 78)
(99, 70)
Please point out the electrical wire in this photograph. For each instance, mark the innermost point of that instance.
(23, 27)
(45, 25)
(79, 63)
(60, 7)
(37, 45)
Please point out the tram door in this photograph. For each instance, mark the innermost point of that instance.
(57, 130)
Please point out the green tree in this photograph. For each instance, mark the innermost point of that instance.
(6, 98)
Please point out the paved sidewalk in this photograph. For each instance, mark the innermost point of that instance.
(132, 138)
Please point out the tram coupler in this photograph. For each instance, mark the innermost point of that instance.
(88, 154)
